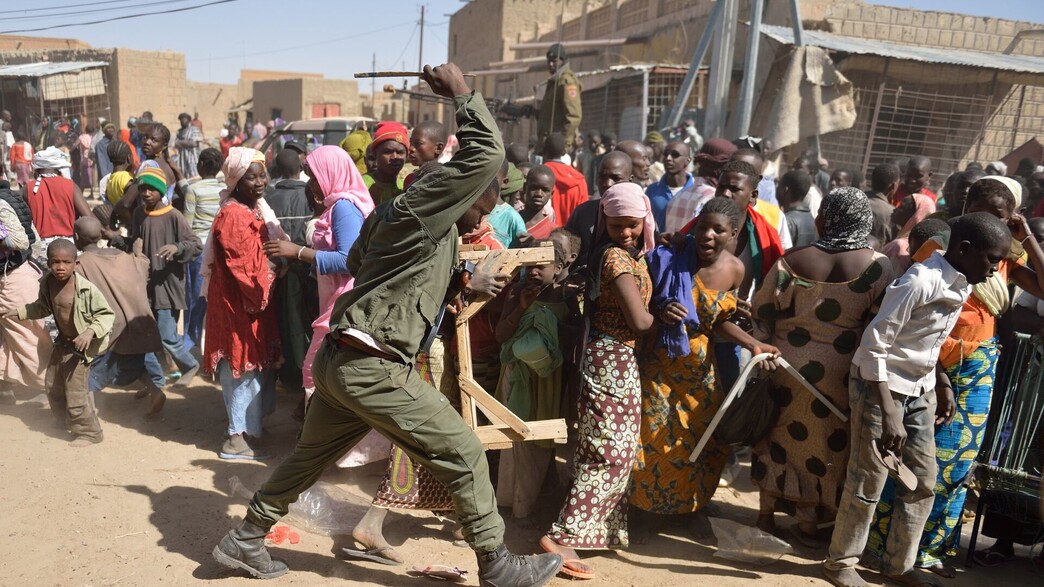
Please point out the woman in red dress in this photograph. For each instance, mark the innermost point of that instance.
(242, 342)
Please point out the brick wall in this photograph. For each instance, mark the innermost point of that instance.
(149, 80)
(212, 102)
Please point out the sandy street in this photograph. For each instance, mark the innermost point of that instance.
(147, 505)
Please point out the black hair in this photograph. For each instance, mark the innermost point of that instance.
(118, 152)
(974, 165)
(575, 243)
(210, 161)
(725, 207)
(883, 176)
(62, 244)
(555, 145)
(982, 230)
(609, 138)
(753, 177)
(434, 129)
(928, 228)
(856, 177)
(987, 189)
(919, 162)
(747, 152)
(517, 153)
(162, 128)
(1026, 167)
(799, 182)
(288, 164)
(807, 159)
(541, 169)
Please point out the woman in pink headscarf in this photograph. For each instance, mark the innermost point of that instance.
(595, 514)
(337, 189)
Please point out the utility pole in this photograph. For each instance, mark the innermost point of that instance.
(420, 51)
(373, 85)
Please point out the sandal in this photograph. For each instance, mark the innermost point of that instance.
(912, 578)
(571, 567)
(991, 558)
(376, 555)
(944, 571)
(894, 464)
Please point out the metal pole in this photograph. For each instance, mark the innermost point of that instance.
(795, 23)
(873, 121)
(670, 116)
(750, 70)
(420, 50)
(1018, 118)
(645, 105)
(721, 72)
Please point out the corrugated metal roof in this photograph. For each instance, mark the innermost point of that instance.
(997, 61)
(46, 68)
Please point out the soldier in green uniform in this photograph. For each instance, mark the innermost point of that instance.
(364, 372)
(560, 109)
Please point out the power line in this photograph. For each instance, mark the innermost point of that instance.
(115, 18)
(81, 5)
(407, 45)
(305, 46)
(94, 11)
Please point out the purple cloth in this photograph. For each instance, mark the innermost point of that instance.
(671, 272)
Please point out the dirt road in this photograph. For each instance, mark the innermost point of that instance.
(146, 506)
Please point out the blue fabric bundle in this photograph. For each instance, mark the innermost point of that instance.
(671, 272)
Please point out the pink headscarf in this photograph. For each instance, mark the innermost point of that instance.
(339, 178)
(627, 199)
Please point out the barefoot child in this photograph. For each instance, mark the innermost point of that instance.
(896, 398)
(131, 356)
(531, 376)
(84, 322)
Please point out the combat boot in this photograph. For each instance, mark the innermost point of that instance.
(244, 548)
(501, 568)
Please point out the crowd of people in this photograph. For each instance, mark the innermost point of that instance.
(329, 270)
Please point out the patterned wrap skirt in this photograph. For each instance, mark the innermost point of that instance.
(408, 485)
(594, 516)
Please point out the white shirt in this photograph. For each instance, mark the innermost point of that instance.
(901, 344)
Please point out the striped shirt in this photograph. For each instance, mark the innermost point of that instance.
(202, 200)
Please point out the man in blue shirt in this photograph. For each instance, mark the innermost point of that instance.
(676, 159)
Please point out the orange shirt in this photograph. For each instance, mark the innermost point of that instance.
(975, 323)
(21, 152)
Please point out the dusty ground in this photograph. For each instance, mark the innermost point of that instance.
(147, 505)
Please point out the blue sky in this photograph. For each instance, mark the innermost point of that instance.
(334, 37)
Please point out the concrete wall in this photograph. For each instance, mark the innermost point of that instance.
(286, 94)
(332, 91)
(24, 43)
(148, 80)
(212, 102)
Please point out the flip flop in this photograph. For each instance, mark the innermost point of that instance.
(991, 558)
(944, 571)
(894, 464)
(569, 565)
(913, 578)
(372, 555)
(441, 572)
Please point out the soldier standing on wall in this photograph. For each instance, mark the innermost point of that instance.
(560, 109)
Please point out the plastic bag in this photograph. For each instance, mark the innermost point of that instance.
(747, 544)
(322, 509)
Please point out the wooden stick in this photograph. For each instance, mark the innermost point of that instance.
(370, 74)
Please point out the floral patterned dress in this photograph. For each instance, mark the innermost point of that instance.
(679, 398)
(595, 513)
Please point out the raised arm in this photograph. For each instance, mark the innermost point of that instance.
(441, 198)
